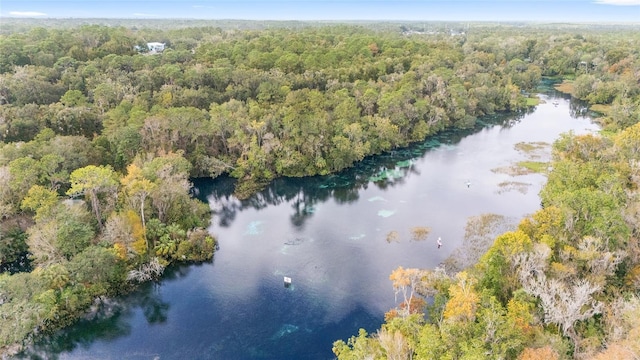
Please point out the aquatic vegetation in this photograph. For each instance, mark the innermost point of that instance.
(534, 166)
(565, 87)
(393, 236)
(388, 174)
(534, 150)
(446, 147)
(254, 228)
(419, 233)
(295, 241)
(601, 109)
(286, 329)
(404, 163)
(512, 170)
(386, 213)
(507, 186)
(533, 101)
(480, 231)
(431, 143)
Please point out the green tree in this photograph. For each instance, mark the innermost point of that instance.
(74, 232)
(24, 173)
(52, 171)
(97, 266)
(73, 98)
(12, 245)
(40, 200)
(94, 182)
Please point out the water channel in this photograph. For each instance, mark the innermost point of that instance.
(330, 235)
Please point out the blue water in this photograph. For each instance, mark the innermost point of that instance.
(329, 234)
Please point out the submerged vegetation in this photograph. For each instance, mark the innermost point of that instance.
(534, 166)
(99, 139)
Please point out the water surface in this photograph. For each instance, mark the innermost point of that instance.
(330, 235)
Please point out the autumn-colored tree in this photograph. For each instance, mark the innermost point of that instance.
(405, 282)
(140, 244)
(463, 300)
(137, 189)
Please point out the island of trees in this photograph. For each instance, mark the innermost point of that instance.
(99, 139)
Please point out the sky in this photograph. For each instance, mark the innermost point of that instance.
(420, 10)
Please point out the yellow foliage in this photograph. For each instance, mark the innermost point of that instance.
(627, 140)
(140, 243)
(133, 173)
(513, 242)
(120, 250)
(139, 246)
(569, 251)
(562, 270)
(401, 277)
(543, 222)
(463, 300)
(509, 244)
(548, 240)
(520, 317)
(166, 99)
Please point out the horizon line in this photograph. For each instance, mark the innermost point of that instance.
(321, 20)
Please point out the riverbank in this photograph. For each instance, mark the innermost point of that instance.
(329, 235)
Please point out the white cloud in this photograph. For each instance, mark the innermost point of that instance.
(145, 15)
(618, 2)
(203, 7)
(27, 13)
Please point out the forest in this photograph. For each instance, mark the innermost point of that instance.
(100, 138)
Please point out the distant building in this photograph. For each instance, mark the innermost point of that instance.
(155, 47)
(152, 47)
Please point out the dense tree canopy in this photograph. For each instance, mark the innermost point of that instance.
(255, 104)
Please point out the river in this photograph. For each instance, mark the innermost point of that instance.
(337, 237)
